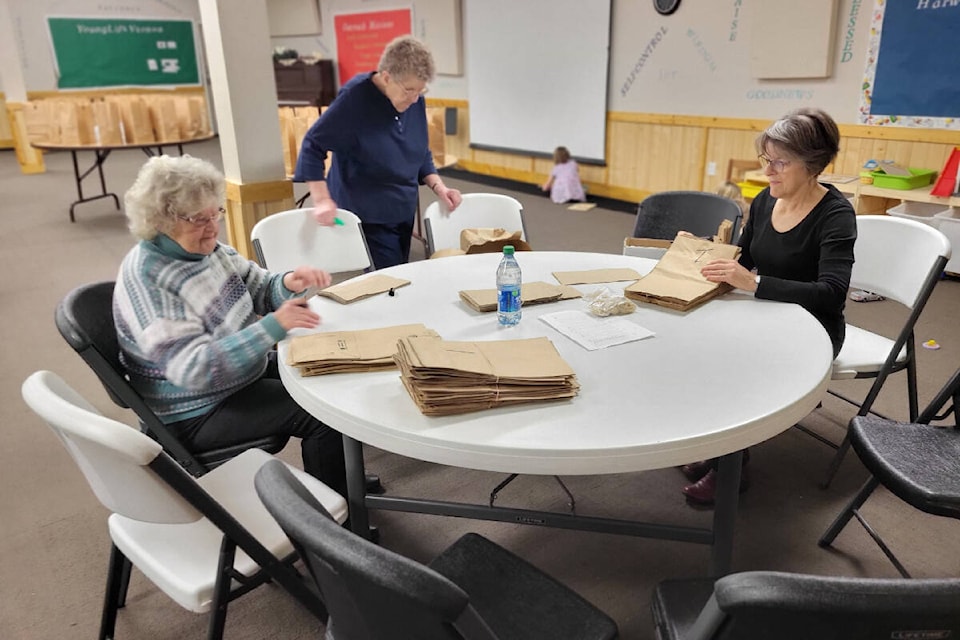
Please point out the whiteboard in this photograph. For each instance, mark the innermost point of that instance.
(537, 75)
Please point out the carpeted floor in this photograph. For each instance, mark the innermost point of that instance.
(53, 539)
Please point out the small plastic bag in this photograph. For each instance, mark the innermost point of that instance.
(604, 302)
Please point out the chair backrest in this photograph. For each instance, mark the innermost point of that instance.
(286, 240)
(85, 320)
(370, 592)
(113, 457)
(477, 211)
(898, 258)
(662, 215)
(764, 604)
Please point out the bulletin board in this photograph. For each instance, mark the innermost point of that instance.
(99, 52)
(911, 75)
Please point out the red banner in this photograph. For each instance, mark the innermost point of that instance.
(361, 38)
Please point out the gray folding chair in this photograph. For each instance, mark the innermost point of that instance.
(475, 590)
(762, 605)
(662, 215)
(916, 462)
(477, 211)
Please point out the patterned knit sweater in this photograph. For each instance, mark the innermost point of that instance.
(188, 324)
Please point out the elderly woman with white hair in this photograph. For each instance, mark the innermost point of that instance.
(197, 322)
(376, 129)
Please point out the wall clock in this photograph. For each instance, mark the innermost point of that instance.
(666, 7)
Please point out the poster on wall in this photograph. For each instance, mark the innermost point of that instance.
(98, 52)
(911, 72)
(361, 38)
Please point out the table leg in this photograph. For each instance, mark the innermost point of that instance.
(356, 487)
(725, 513)
(100, 157)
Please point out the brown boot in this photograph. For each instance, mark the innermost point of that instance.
(703, 491)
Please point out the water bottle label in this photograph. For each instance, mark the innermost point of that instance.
(508, 300)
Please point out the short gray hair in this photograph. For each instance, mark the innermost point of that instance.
(407, 56)
(808, 134)
(168, 186)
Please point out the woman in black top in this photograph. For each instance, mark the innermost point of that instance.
(797, 245)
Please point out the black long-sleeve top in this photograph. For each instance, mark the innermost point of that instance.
(810, 264)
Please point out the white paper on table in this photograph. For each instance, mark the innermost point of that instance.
(592, 332)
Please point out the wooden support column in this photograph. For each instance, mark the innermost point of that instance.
(248, 204)
(30, 159)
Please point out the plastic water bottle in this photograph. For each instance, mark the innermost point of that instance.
(508, 288)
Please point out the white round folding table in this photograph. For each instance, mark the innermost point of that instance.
(711, 382)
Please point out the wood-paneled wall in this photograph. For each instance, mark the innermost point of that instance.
(647, 153)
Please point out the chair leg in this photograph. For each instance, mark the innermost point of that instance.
(124, 583)
(883, 545)
(111, 599)
(835, 462)
(912, 390)
(221, 591)
(849, 511)
(496, 490)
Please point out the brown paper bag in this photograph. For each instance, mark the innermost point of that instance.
(106, 123)
(676, 281)
(135, 117)
(353, 290)
(163, 116)
(40, 119)
(350, 351)
(491, 240)
(530, 293)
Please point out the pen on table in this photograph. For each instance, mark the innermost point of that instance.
(391, 292)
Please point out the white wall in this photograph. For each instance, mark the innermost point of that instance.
(698, 65)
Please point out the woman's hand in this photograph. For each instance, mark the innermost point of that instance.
(304, 277)
(325, 211)
(731, 272)
(450, 197)
(295, 314)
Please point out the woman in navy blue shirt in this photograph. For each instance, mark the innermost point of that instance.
(376, 129)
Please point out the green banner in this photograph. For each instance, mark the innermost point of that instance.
(96, 52)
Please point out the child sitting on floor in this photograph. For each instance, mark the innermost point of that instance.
(564, 184)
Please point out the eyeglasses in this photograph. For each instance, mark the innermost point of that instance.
(777, 165)
(201, 221)
(411, 92)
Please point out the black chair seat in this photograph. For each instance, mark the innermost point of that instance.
(662, 215)
(917, 463)
(761, 605)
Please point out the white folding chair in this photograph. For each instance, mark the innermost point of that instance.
(901, 260)
(286, 240)
(477, 211)
(203, 541)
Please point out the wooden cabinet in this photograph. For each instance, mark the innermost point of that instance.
(301, 82)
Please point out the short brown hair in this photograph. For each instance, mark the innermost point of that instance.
(406, 56)
(561, 155)
(809, 134)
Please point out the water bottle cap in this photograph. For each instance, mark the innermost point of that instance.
(508, 250)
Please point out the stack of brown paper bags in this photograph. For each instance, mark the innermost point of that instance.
(595, 276)
(676, 281)
(353, 290)
(350, 351)
(446, 378)
(530, 293)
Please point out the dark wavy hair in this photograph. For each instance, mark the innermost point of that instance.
(808, 134)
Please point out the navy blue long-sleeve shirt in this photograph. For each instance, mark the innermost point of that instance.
(810, 264)
(380, 156)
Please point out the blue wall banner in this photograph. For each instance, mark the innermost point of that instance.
(917, 72)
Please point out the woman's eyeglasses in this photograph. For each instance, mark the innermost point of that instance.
(198, 220)
(777, 165)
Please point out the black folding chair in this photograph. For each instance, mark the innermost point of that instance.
(85, 320)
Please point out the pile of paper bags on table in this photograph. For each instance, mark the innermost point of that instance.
(446, 377)
(349, 351)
